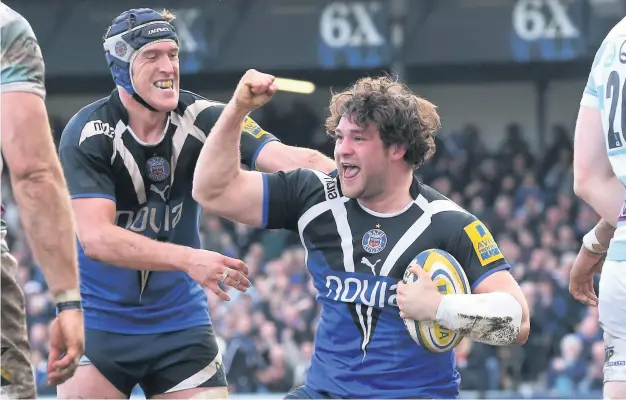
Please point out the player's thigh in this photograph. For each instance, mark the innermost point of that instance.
(612, 314)
(88, 383)
(615, 360)
(196, 393)
(189, 363)
(111, 367)
(612, 298)
(614, 390)
(17, 373)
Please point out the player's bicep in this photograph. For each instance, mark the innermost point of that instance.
(92, 215)
(27, 142)
(241, 201)
(270, 201)
(590, 156)
(474, 248)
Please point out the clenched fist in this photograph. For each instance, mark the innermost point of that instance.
(254, 90)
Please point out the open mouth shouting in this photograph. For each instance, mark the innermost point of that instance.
(349, 171)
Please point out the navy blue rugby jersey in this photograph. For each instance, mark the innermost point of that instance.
(151, 186)
(356, 258)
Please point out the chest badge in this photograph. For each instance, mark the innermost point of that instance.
(374, 240)
(157, 169)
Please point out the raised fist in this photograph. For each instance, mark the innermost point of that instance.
(254, 90)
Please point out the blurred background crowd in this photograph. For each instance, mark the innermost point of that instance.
(524, 197)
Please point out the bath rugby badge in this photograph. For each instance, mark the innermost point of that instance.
(157, 169)
(374, 240)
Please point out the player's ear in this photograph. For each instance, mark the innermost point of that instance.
(397, 151)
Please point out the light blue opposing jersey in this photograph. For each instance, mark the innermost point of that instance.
(21, 59)
(606, 91)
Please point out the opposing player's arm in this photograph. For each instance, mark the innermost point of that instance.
(85, 154)
(496, 312)
(594, 179)
(36, 177)
(253, 198)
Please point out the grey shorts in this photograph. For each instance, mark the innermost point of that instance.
(18, 381)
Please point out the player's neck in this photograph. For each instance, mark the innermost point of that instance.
(148, 126)
(395, 198)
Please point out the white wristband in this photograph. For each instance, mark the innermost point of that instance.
(67, 295)
(590, 239)
(491, 318)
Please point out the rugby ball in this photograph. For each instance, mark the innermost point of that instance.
(450, 278)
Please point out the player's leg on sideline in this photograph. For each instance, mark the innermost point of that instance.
(88, 383)
(612, 313)
(614, 367)
(17, 373)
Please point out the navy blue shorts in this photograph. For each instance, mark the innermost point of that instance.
(305, 392)
(159, 363)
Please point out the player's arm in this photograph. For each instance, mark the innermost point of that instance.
(253, 198)
(594, 179)
(277, 156)
(219, 184)
(85, 154)
(36, 176)
(262, 151)
(496, 312)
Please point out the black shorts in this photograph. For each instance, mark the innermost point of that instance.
(159, 363)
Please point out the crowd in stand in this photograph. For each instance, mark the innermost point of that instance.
(524, 197)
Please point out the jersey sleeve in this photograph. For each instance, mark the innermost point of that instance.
(85, 152)
(288, 195)
(469, 241)
(22, 62)
(590, 97)
(253, 137)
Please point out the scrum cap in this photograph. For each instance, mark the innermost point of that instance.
(131, 31)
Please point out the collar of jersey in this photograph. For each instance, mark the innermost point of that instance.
(123, 114)
(414, 190)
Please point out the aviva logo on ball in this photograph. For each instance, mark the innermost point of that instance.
(450, 278)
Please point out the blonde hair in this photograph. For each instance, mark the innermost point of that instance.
(168, 15)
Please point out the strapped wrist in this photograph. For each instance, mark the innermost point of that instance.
(69, 305)
(590, 239)
(492, 318)
(67, 296)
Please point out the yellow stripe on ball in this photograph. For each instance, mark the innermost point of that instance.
(450, 278)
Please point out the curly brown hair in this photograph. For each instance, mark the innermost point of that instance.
(401, 117)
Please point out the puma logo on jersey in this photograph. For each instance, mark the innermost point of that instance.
(369, 264)
(160, 193)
